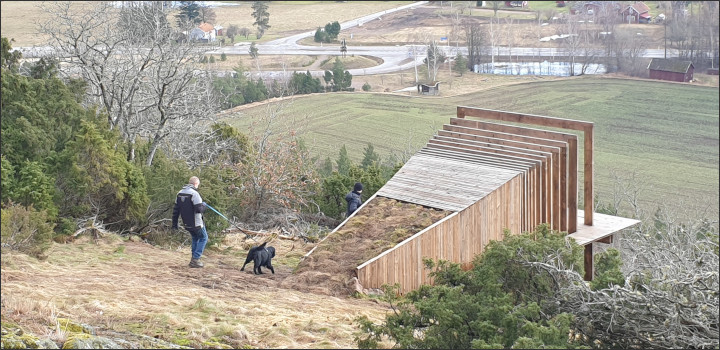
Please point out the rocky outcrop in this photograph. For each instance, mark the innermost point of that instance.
(81, 336)
(13, 337)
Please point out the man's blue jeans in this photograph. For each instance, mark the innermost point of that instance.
(199, 239)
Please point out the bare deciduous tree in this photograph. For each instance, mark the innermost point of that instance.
(434, 59)
(416, 51)
(207, 14)
(280, 172)
(148, 87)
(232, 31)
(245, 32)
(572, 43)
(476, 41)
(510, 31)
(632, 51)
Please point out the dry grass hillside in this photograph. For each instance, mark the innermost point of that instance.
(128, 289)
(131, 290)
(380, 225)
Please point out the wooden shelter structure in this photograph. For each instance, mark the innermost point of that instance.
(493, 176)
(672, 70)
(427, 89)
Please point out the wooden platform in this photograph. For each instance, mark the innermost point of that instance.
(603, 226)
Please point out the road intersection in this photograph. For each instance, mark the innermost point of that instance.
(393, 58)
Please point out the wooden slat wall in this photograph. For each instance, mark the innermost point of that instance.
(555, 208)
(458, 238)
(586, 127)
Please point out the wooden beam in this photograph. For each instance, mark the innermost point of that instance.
(572, 185)
(522, 118)
(606, 240)
(588, 262)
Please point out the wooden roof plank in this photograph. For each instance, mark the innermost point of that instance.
(492, 161)
(499, 153)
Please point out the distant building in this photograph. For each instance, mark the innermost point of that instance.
(205, 32)
(159, 4)
(427, 89)
(672, 70)
(636, 13)
(516, 3)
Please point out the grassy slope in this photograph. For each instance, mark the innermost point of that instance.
(665, 133)
(125, 289)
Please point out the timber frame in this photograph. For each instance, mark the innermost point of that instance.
(569, 178)
(494, 177)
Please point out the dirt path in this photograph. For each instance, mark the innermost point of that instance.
(318, 62)
(123, 286)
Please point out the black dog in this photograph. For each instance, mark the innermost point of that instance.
(261, 256)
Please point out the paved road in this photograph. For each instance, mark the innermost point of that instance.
(394, 58)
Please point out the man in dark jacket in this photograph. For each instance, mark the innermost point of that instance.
(353, 199)
(190, 206)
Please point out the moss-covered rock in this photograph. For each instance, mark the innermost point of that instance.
(13, 337)
(215, 345)
(88, 341)
(74, 327)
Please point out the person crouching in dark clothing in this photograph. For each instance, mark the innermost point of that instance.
(353, 199)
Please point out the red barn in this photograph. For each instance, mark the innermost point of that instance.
(672, 70)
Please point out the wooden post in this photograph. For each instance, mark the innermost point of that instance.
(572, 186)
(588, 261)
(589, 196)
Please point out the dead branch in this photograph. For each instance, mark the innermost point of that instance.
(92, 225)
(669, 298)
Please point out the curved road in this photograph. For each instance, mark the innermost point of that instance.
(395, 58)
(392, 56)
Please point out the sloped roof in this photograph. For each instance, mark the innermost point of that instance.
(667, 65)
(206, 27)
(435, 180)
(639, 7)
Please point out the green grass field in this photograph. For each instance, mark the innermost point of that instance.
(664, 134)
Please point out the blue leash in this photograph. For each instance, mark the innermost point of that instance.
(228, 220)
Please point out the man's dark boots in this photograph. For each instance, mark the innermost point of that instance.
(196, 263)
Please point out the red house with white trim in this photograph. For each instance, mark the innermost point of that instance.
(636, 13)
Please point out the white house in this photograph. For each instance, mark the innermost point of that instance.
(204, 32)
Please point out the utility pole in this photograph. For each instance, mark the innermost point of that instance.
(665, 35)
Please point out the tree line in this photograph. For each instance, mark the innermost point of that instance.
(131, 113)
(602, 37)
